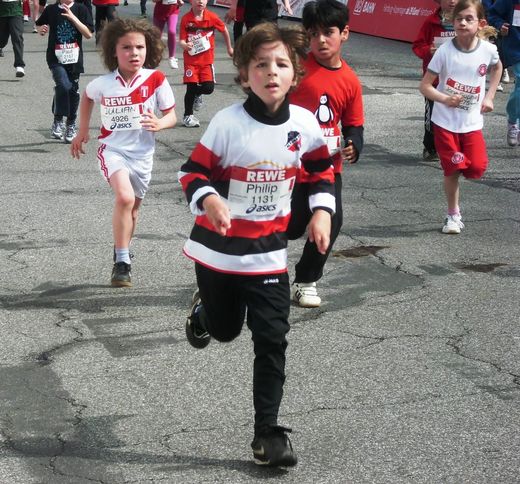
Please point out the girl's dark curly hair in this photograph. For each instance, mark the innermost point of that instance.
(294, 39)
(113, 31)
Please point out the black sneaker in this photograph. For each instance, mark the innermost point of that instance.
(121, 276)
(430, 155)
(197, 337)
(272, 448)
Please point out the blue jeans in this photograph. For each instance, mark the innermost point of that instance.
(513, 103)
(66, 92)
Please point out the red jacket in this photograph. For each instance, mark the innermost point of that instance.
(431, 28)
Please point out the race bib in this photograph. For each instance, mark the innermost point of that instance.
(200, 44)
(260, 193)
(67, 53)
(169, 2)
(516, 16)
(333, 144)
(121, 113)
(470, 94)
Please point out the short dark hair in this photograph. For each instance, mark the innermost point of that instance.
(464, 4)
(113, 31)
(293, 38)
(325, 14)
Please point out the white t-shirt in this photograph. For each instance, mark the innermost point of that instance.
(464, 73)
(122, 106)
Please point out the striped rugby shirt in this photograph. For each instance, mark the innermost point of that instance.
(251, 161)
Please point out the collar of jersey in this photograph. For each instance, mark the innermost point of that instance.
(119, 77)
(256, 108)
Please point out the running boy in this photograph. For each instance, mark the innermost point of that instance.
(67, 22)
(239, 187)
(129, 96)
(197, 38)
(459, 101)
(331, 90)
(436, 29)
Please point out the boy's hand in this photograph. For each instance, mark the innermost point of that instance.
(76, 147)
(218, 213)
(43, 29)
(349, 153)
(67, 13)
(319, 229)
(453, 101)
(187, 45)
(432, 49)
(150, 121)
(504, 30)
(230, 52)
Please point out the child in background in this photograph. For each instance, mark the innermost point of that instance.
(129, 96)
(238, 183)
(436, 29)
(505, 16)
(67, 22)
(460, 98)
(197, 38)
(167, 12)
(331, 90)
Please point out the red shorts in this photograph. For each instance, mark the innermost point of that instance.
(464, 152)
(199, 74)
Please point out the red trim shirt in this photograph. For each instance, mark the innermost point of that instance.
(201, 33)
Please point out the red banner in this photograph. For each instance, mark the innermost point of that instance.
(392, 19)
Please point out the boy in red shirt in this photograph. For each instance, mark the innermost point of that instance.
(436, 29)
(197, 38)
(331, 90)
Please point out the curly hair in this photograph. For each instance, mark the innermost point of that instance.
(113, 31)
(294, 39)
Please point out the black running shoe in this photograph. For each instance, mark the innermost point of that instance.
(272, 447)
(121, 276)
(197, 337)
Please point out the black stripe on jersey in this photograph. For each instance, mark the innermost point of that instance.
(238, 245)
(322, 186)
(191, 167)
(316, 166)
(195, 28)
(195, 185)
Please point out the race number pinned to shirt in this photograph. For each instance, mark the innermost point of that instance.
(67, 53)
(121, 113)
(260, 193)
(470, 94)
(169, 2)
(516, 16)
(200, 44)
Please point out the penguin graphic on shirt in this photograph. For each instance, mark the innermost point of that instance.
(324, 114)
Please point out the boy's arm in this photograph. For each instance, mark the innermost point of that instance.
(319, 229)
(495, 73)
(422, 46)
(429, 91)
(80, 26)
(353, 136)
(287, 7)
(85, 112)
(499, 15)
(227, 39)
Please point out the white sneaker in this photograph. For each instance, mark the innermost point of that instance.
(505, 76)
(20, 72)
(174, 63)
(26, 18)
(305, 294)
(190, 121)
(197, 103)
(500, 88)
(452, 225)
(513, 133)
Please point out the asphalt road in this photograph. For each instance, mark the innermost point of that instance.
(408, 373)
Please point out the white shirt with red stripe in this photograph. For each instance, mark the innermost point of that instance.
(122, 105)
(462, 72)
(252, 166)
